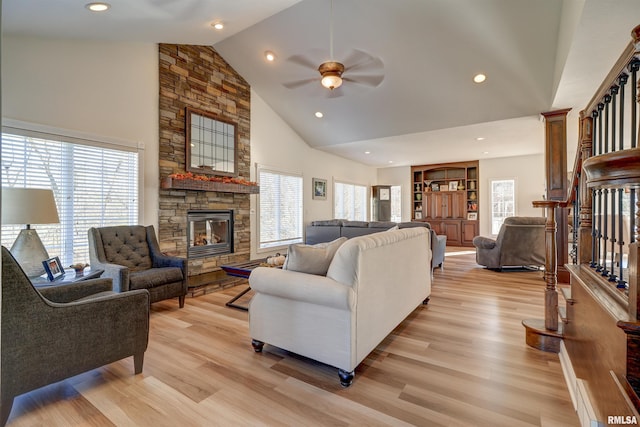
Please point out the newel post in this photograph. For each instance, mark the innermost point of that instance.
(550, 266)
(546, 335)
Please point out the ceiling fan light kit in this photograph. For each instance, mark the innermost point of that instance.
(331, 73)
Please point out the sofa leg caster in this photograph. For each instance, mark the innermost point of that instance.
(346, 378)
(257, 346)
(426, 301)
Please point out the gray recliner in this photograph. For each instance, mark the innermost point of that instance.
(130, 255)
(520, 243)
(50, 334)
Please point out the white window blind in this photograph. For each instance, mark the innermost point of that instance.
(93, 186)
(350, 201)
(281, 221)
(503, 202)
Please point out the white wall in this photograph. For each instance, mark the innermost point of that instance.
(104, 89)
(528, 171)
(275, 144)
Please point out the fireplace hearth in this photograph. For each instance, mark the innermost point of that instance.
(209, 233)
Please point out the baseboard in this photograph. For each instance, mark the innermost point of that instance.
(578, 391)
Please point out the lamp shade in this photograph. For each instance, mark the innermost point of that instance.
(28, 206)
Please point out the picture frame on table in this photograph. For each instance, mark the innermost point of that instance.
(53, 268)
(418, 215)
(319, 189)
(435, 186)
(472, 216)
(453, 185)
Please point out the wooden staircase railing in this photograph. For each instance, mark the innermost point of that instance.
(600, 328)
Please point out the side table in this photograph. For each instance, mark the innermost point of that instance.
(68, 277)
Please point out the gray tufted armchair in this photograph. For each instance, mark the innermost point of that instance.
(130, 255)
(53, 333)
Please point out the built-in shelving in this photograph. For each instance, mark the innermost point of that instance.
(446, 195)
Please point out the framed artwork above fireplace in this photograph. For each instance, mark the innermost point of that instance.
(211, 143)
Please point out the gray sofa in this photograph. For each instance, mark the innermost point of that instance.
(328, 230)
(520, 242)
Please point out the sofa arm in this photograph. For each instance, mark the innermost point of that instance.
(298, 286)
(438, 248)
(118, 273)
(76, 291)
(160, 261)
(482, 242)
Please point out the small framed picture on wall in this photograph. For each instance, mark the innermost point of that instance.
(319, 189)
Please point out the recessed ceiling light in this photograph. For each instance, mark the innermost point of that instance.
(480, 138)
(390, 161)
(319, 114)
(367, 152)
(218, 25)
(269, 56)
(479, 78)
(97, 7)
(485, 152)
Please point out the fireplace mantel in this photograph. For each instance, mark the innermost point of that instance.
(169, 183)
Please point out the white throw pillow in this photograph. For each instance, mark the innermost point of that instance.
(312, 259)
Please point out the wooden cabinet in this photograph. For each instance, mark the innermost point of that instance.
(446, 196)
(450, 204)
(469, 231)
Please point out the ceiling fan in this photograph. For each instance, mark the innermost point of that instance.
(355, 68)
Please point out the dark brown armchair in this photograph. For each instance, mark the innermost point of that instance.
(54, 333)
(130, 255)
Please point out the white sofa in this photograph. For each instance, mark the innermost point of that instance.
(372, 284)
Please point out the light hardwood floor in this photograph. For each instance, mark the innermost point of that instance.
(459, 361)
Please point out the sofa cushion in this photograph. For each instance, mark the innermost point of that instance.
(364, 224)
(312, 259)
(382, 224)
(327, 222)
(411, 224)
(126, 245)
(152, 277)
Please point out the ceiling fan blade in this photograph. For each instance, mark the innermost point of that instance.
(303, 61)
(372, 81)
(359, 60)
(298, 83)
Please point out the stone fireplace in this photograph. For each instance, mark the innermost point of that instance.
(197, 77)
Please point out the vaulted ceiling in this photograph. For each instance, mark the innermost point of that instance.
(537, 56)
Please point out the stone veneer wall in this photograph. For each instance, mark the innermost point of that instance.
(196, 76)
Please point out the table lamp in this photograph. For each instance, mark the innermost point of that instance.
(29, 206)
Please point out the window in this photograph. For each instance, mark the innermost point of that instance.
(503, 202)
(93, 186)
(280, 216)
(396, 203)
(350, 201)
